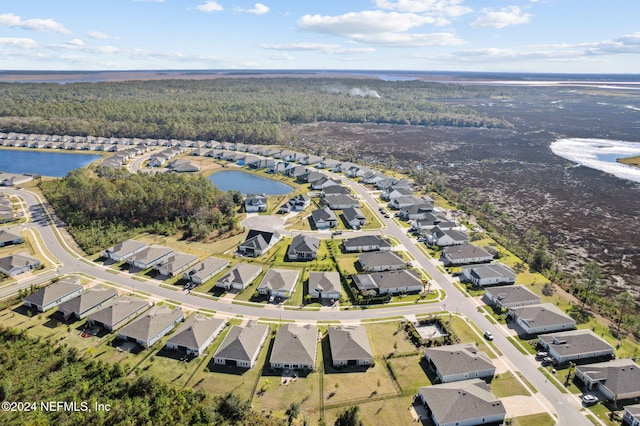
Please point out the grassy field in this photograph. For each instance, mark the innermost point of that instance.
(541, 419)
(377, 412)
(388, 337)
(506, 384)
(409, 372)
(467, 334)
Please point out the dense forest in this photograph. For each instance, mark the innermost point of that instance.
(111, 205)
(238, 110)
(41, 371)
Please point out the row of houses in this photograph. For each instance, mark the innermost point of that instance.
(6, 209)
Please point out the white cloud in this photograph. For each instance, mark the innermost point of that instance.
(76, 42)
(280, 57)
(298, 47)
(449, 8)
(367, 22)
(511, 15)
(210, 6)
(22, 43)
(353, 51)
(11, 20)
(625, 44)
(258, 9)
(98, 35)
(410, 40)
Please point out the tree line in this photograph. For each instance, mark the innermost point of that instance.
(237, 110)
(109, 206)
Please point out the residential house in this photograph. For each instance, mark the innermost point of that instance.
(340, 201)
(312, 176)
(309, 159)
(430, 220)
(372, 177)
(381, 261)
(511, 296)
(324, 285)
(255, 203)
(124, 250)
(239, 277)
(324, 218)
(389, 282)
(366, 243)
(324, 182)
(447, 237)
(279, 282)
(263, 163)
(53, 295)
(303, 247)
(258, 242)
(468, 402)
(575, 345)
(296, 171)
(152, 326)
(392, 193)
(295, 347)
(349, 346)
(90, 301)
(488, 274)
(117, 314)
(296, 204)
(327, 163)
(205, 270)
(175, 264)
(278, 167)
(196, 334)
(8, 238)
(335, 190)
(465, 254)
(616, 379)
(150, 256)
(354, 217)
(241, 346)
(415, 211)
(544, 318)
(631, 416)
(406, 201)
(463, 361)
(18, 263)
(183, 165)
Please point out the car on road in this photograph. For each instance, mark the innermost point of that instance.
(488, 335)
(589, 399)
(337, 232)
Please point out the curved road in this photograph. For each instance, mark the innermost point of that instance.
(566, 406)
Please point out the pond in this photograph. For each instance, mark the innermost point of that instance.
(248, 183)
(55, 164)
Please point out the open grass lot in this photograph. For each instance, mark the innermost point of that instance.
(382, 412)
(170, 366)
(601, 411)
(506, 384)
(467, 333)
(409, 372)
(388, 337)
(541, 419)
(355, 384)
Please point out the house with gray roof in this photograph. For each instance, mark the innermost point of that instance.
(543, 318)
(631, 416)
(18, 263)
(406, 201)
(255, 203)
(349, 346)
(465, 254)
(150, 256)
(295, 346)
(54, 294)
(118, 313)
(366, 243)
(376, 261)
(324, 218)
(152, 326)
(303, 247)
(279, 282)
(340, 201)
(327, 163)
(468, 402)
(196, 334)
(446, 237)
(389, 282)
(575, 345)
(509, 296)
(241, 346)
(258, 242)
(205, 270)
(124, 250)
(415, 211)
(392, 193)
(324, 182)
(488, 274)
(175, 264)
(616, 379)
(354, 217)
(296, 204)
(90, 301)
(335, 190)
(459, 362)
(325, 285)
(8, 238)
(239, 277)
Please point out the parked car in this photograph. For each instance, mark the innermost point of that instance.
(548, 360)
(589, 399)
(488, 335)
(541, 355)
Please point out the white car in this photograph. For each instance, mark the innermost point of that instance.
(488, 335)
(589, 399)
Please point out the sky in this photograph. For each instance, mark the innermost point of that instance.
(556, 36)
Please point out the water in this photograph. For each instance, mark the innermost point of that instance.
(55, 164)
(248, 183)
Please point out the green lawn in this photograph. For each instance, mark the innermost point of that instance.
(506, 384)
(541, 419)
(388, 337)
(409, 373)
(466, 333)
(384, 411)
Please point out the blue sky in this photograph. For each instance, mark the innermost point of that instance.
(587, 36)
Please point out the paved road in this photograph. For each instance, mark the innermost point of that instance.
(566, 406)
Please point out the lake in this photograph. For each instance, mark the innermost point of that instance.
(55, 164)
(248, 183)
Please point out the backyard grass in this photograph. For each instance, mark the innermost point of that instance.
(389, 411)
(388, 337)
(409, 373)
(352, 385)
